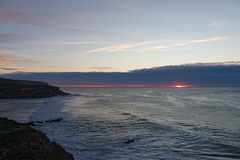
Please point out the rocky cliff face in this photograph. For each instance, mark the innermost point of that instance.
(27, 89)
(20, 141)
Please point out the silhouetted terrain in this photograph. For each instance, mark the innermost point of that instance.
(20, 141)
(27, 89)
(11, 81)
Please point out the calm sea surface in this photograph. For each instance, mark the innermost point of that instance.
(163, 123)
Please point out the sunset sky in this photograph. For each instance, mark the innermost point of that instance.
(116, 35)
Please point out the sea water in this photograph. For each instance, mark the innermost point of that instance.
(154, 123)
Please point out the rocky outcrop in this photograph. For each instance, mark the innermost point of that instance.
(129, 141)
(19, 141)
(27, 89)
(47, 121)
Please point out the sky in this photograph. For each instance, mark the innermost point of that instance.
(116, 36)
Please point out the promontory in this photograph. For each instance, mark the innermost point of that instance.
(27, 89)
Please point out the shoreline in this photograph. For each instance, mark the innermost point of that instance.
(17, 89)
(20, 141)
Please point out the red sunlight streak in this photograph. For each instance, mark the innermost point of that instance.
(103, 85)
(99, 86)
(182, 86)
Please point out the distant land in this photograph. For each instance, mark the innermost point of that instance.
(27, 89)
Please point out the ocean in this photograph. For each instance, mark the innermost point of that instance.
(138, 123)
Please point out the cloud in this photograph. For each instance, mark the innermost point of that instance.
(198, 74)
(74, 28)
(8, 69)
(217, 23)
(209, 39)
(5, 59)
(216, 64)
(74, 42)
(120, 47)
(156, 45)
(22, 17)
(100, 68)
(227, 63)
(13, 60)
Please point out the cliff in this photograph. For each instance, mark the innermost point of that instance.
(11, 81)
(20, 141)
(27, 89)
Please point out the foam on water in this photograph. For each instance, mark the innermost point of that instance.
(166, 123)
(51, 110)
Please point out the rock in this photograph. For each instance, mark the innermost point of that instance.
(30, 124)
(19, 141)
(38, 122)
(48, 121)
(54, 120)
(129, 141)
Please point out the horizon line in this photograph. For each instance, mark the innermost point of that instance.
(136, 86)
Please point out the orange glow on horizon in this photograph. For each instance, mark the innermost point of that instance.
(179, 86)
(182, 86)
(99, 86)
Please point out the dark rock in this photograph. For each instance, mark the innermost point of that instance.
(48, 121)
(19, 141)
(38, 122)
(129, 141)
(54, 120)
(30, 124)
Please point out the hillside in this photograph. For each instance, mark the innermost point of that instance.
(20, 141)
(11, 81)
(27, 89)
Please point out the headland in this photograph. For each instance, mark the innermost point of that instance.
(27, 89)
(20, 141)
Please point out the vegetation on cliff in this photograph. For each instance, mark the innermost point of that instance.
(20, 141)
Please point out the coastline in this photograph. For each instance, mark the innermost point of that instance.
(10, 89)
(20, 141)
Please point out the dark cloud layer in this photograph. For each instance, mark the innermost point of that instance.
(199, 75)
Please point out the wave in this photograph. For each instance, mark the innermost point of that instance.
(51, 110)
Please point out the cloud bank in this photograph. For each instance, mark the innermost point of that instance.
(199, 74)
